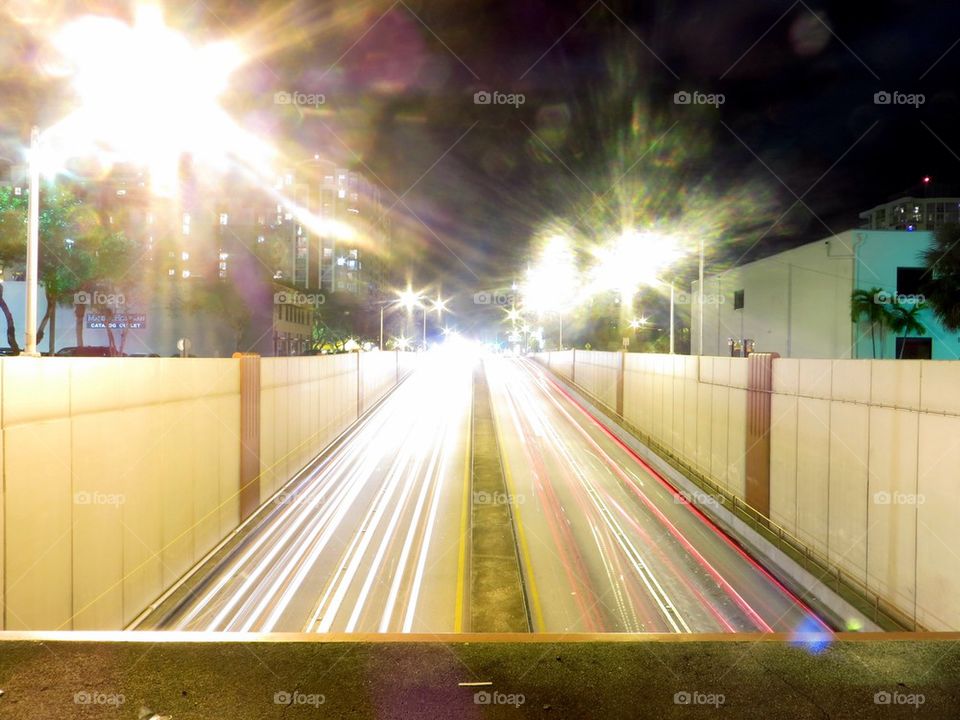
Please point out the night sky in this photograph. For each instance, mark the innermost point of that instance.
(799, 117)
(470, 184)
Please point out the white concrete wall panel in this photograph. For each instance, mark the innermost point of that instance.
(783, 461)
(848, 499)
(938, 531)
(891, 509)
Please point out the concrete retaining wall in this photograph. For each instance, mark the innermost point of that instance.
(864, 457)
(864, 466)
(120, 474)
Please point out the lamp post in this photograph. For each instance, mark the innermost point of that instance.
(409, 300)
(440, 305)
(33, 246)
(381, 327)
(700, 301)
(672, 324)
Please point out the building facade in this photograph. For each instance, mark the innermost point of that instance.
(208, 250)
(912, 214)
(798, 302)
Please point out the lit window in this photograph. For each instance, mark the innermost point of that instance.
(223, 218)
(171, 272)
(18, 191)
(186, 273)
(184, 255)
(121, 193)
(261, 239)
(341, 193)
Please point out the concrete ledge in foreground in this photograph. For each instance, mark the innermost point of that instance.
(258, 677)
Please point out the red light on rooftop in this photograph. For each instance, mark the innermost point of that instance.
(926, 179)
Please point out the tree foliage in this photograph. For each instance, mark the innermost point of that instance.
(941, 283)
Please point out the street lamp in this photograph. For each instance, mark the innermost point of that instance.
(440, 306)
(406, 299)
(551, 283)
(638, 323)
(635, 259)
(33, 246)
(409, 300)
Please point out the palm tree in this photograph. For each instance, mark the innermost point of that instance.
(903, 318)
(865, 306)
(941, 281)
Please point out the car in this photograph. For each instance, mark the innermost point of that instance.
(86, 351)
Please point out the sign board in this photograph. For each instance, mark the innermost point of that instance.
(119, 321)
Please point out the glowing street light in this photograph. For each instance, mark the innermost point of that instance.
(638, 258)
(440, 306)
(552, 282)
(632, 260)
(408, 299)
(147, 94)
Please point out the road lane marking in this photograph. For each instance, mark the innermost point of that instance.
(464, 518)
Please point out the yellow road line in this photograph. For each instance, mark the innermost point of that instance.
(521, 534)
(464, 523)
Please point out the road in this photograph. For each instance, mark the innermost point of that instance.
(374, 540)
(377, 537)
(605, 544)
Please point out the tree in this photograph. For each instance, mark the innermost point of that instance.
(119, 280)
(65, 261)
(941, 281)
(865, 307)
(903, 319)
(221, 299)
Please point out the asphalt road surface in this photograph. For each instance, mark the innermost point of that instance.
(605, 544)
(375, 539)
